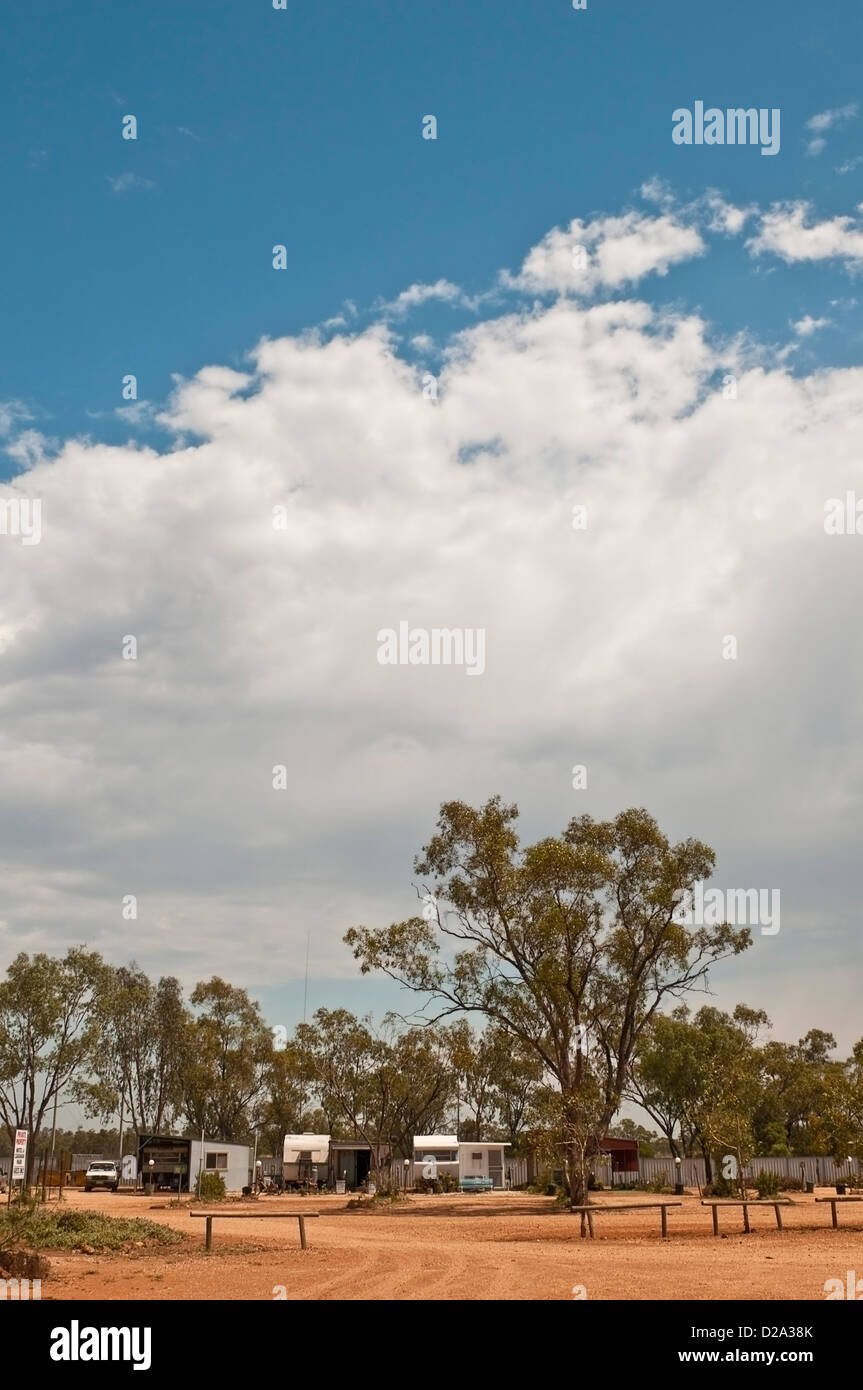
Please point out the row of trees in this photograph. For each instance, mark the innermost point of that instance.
(713, 1086)
(122, 1045)
(127, 1048)
(570, 955)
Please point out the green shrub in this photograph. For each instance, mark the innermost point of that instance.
(722, 1187)
(444, 1182)
(211, 1187)
(72, 1229)
(767, 1184)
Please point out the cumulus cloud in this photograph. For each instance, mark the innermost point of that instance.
(608, 252)
(790, 231)
(257, 644)
(725, 217)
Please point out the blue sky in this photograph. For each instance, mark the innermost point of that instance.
(302, 127)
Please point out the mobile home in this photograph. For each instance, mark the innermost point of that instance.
(305, 1159)
(465, 1161)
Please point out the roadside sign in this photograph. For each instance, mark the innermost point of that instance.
(19, 1156)
(180, 1169)
(130, 1167)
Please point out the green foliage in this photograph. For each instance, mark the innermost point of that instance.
(843, 1108)
(143, 1051)
(570, 944)
(701, 1079)
(767, 1184)
(722, 1187)
(65, 1229)
(497, 1078)
(48, 1033)
(210, 1187)
(444, 1182)
(385, 1086)
(230, 1049)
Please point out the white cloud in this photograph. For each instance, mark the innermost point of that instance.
(608, 252)
(257, 646)
(657, 190)
(11, 412)
(805, 327)
(726, 217)
(789, 231)
(418, 294)
(29, 447)
(826, 120)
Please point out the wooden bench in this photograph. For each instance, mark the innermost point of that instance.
(833, 1204)
(210, 1216)
(717, 1202)
(588, 1212)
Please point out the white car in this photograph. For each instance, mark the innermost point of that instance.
(102, 1174)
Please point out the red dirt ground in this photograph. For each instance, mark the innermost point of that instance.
(497, 1246)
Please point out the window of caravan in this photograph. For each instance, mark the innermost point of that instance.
(217, 1160)
(439, 1155)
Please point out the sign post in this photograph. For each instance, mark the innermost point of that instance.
(18, 1172)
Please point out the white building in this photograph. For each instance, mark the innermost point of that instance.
(173, 1163)
(466, 1161)
(231, 1161)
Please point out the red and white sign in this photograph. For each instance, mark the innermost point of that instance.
(19, 1157)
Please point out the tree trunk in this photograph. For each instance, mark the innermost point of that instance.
(577, 1177)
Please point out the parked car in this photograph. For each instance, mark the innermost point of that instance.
(103, 1173)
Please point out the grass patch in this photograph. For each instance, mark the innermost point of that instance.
(79, 1230)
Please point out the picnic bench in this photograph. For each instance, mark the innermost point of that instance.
(476, 1185)
(833, 1203)
(717, 1202)
(588, 1212)
(210, 1216)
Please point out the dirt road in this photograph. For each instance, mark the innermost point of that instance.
(500, 1246)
